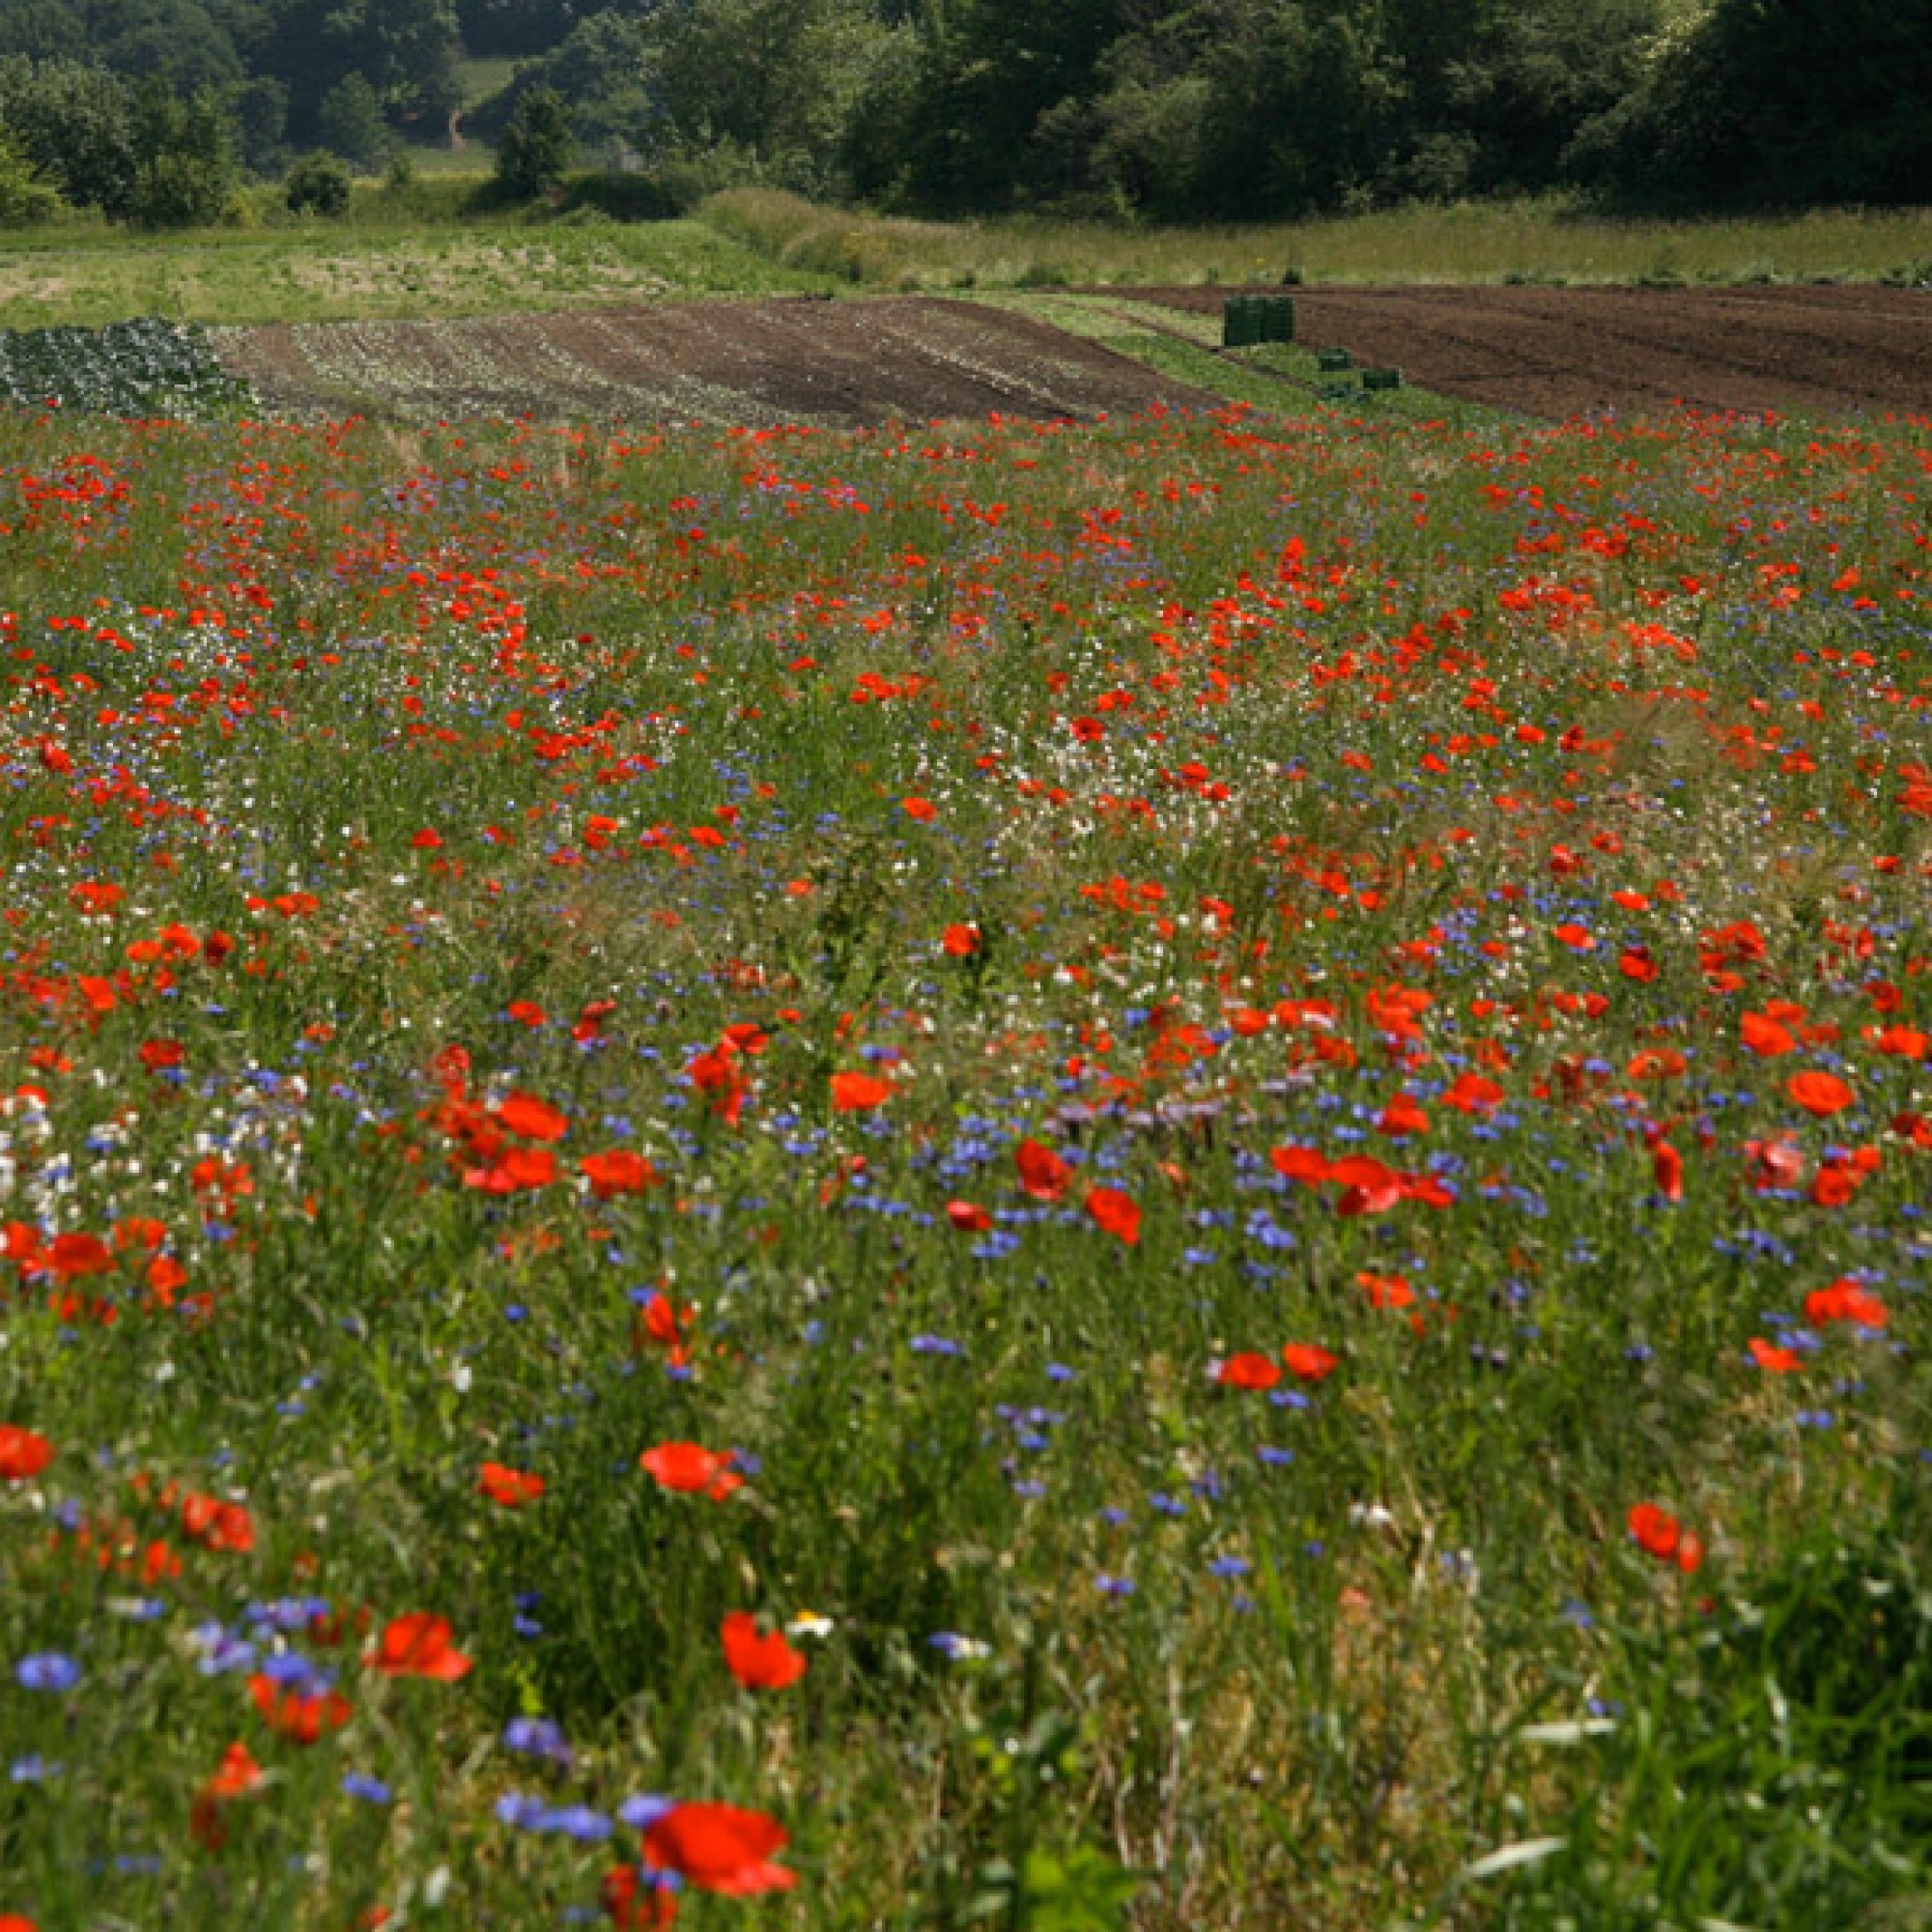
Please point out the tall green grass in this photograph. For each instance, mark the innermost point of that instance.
(1469, 243)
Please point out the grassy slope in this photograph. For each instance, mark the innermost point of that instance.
(1469, 243)
(419, 255)
(368, 271)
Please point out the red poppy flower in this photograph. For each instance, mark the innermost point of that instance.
(632, 1905)
(1247, 1372)
(1300, 1163)
(720, 1848)
(23, 1455)
(1820, 1094)
(960, 941)
(1667, 1165)
(1473, 1093)
(1368, 1187)
(216, 1524)
(859, 1092)
(1906, 1042)
(237, 1774)
(968, 1216)
(1832, 1186)
(1117, 1213)
(157, 1054)
(419, 1645)
(716, 1073)
(1386, 1291)
(509, 1489)
(759, 1663)
(292, 1716)
(514, 1170)
(921, 810)
(1766, 1036)
(1307, 1363)
(70, 1256)
(1664, 1537)
(1042, 1173)
(618, 1170)
(1404, 1115)
(530, 1119)
(1772, 1360)
(1844, 1301)
(687, 1468)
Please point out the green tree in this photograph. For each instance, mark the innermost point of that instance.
(43, 30)
(185, 167)
(175, 41)
(601, 70)
(990, 71)
(350, 121)
(75, 124)
(259, 111)
(777, 80)
(405, 50)
(537, 147)
(1781, 103)
(26, 198)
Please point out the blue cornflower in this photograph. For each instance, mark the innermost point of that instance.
(48, 1670)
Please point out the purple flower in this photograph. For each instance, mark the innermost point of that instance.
(48, 1670)
(538, 1737)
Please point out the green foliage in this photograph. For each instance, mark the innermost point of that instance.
(145, 368)
(43, 30)
(318, 183)
(185, 167)
(26, 199)
(1771, 1765)
(1176, 110)
(76, 126)
(537, 147)
(350, 124)
(1776, 102)
(1080, 1890)
(602, 69)
(259, 116)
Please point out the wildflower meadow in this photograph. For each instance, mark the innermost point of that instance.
(1166, 1174)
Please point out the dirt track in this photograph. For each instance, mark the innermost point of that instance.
(750, 362)
(1578, 352)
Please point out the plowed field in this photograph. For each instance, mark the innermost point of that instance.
(1578, 352)
(1540, 352)
(750, 362)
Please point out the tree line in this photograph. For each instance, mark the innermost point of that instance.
(1164, 109)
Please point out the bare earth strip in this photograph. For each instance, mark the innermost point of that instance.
(1563, 353)
(1552, 352)
(747, 362)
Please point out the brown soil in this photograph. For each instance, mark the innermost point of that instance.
(1563, 353)
(749, 362)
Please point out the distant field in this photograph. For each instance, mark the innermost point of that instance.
(370, 272)
(420, 253)
(1466, 243)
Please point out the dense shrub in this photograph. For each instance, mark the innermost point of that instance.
(318, 183)
(537, 147)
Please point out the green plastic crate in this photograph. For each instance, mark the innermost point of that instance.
(1240, 322)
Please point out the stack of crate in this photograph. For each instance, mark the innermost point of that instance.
(1249, 320)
